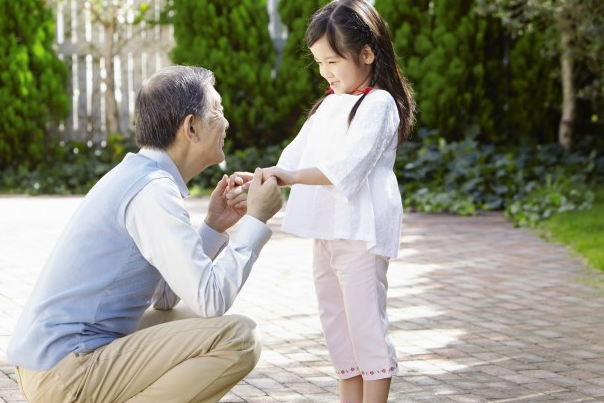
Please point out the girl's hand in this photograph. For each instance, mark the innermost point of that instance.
(235, 193)
(284, 178)
(240, 179)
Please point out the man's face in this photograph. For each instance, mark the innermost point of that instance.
(212, 129)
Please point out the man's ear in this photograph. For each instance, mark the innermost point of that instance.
(189, 129)
(367, 55)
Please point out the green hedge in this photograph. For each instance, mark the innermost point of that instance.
(471, 78)
(68, 167)
(466, 177)
(32, 81)
(231, 38)
(435, 176)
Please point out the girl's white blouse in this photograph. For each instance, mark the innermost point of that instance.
(364, 202)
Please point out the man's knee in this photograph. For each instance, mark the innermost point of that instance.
(247, 337)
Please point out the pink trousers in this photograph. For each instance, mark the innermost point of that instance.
(351, 288)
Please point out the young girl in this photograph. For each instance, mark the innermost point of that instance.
(345, 194)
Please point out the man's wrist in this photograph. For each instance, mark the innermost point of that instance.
(253, 232)
(214, 226)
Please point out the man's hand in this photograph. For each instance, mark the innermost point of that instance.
(264, 197)
(227, 206)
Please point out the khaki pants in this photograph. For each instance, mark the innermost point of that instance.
(187, 360)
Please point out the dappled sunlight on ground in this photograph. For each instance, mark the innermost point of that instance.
(480, 311)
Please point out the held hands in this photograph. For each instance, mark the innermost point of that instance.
(264, 197)
(229, 202)
(227, 205)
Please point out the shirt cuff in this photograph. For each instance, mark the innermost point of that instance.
(253, 232)
(213, 241)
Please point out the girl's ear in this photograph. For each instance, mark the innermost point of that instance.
(367, 55)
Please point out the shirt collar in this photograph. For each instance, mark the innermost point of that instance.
(165, 162)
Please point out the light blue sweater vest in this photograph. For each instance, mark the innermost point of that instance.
(95, 285)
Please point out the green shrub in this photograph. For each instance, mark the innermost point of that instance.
(466, 177)
(73, 168)
(543, 200)
(298, 81)
(67, 168)
(435, 176)
(443, 51)
(231, 38)
(430, 201)
(32, 82)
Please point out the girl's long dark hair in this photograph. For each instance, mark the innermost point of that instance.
(349, 25)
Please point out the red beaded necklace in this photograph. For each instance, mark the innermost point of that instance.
(329, 90)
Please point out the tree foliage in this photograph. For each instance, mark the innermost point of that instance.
(532, 109)
(32, 81)
(574, 29)
(231, 38)
(472, 76)
(298, 81)
(441, 45)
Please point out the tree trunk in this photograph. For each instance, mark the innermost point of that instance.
(569, 103)
(111, 110)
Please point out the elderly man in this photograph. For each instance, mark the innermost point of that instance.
(130, 245)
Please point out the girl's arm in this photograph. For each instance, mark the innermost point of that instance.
(307, 176)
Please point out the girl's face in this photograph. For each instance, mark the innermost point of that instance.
(343, 75)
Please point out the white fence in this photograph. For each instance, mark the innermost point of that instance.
(139, 51)
(82, 40)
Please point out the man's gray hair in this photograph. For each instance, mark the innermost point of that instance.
(165, 99)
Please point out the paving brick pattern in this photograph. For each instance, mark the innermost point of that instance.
(480, 311)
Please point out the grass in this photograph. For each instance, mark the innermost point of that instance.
(582, 230)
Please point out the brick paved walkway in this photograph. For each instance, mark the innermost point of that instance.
(480, 311)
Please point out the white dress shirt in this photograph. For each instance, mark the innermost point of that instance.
(198, 265)
(364, 202)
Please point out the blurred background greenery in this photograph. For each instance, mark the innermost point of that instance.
(510, 97)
